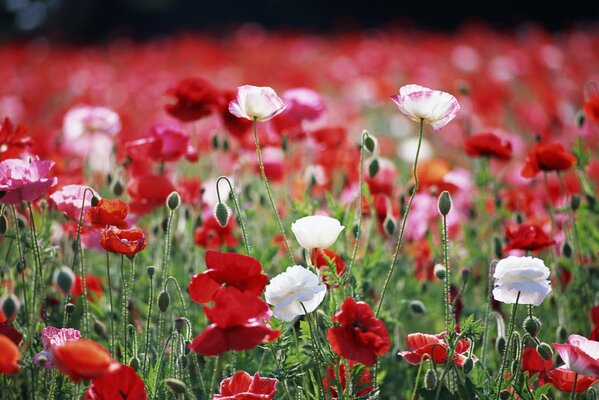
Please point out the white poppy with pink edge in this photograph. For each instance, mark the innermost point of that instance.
(256, 103)
(580, 355)
(418, 103)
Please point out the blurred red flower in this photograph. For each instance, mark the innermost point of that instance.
(120, 382)
(123, 241)
(225, 271)
(163, 143)
(211, 235)
(547, 157)
(242, 386)
(321, 258)
(526, 237)
(488, 145)
(360, 337)
(196, 98)
(9, 355)
(109, 212)
(82, 359)
(93, 284)
(434, 346)
(591, 108)
(148, 192)
(13, 141)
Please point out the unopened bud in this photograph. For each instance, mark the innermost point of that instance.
(505, 395)
(500, 344)
(134, 363)
(465, 274)
(444, 203)
(439, 271)
(215, 142)
(519, 218)
(567, 249)
(580, 119)
(180, 323)
(355, 230)
(10, 306)
(173, 201)
(545, 351)
(3, 224)
(176, 386)
(575, 202)
(151, 270)
(164, 301)
(497, 247)
(69, 308)
(591, 394)
(95, 201)
(561, 334)
(222, 214)
(100, 329)
(369, 142)
(183, 361)
(468, 365)
(373, 168)
(430, 380)
(389, 225)
(117, 188)
(532, 325)
(64, 279)
(417, 307)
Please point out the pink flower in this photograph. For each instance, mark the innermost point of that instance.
(256, 103)
(580, 355)
(163, 143)
(433, 106)
(302, 105)
(242, 386)
(69, 200)
(53, 337)
(24, 180)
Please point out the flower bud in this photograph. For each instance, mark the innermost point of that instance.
(164, 301)
(355, 229)
(173, 201)
(439, 271)
(373, 168)
(519, 218)
(180, 323)
(3, 224)
(500, 344)
(151, 270)
(417, 307)
(580, 119)
(176, 386)
(10, 306)
(117, 188)
(545, 351)
(567, 249)
(222, 214)
(465, 274)
(100, 329)
(497, 247)
(389, 226)
(575, 202)
(69, 308)
(430, 380)
(444, 203)
(561, 334)
(505, 395)
(532, 325)
(64, 279)
(95, 201)
(369, 142)
(134, 363)
(215, 142)
(468, 365)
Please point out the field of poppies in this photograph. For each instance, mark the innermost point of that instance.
(272, 215)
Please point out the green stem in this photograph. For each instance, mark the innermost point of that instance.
(111, 316)
(80, 256)
(22, 263)
(246, 242)
(37, 274)
(148, 319)
(218, 365)
(403, 223)
(448, 306)
(573, 397)
(124, 305)
(165, 265)
(507, 346)
(269, 193)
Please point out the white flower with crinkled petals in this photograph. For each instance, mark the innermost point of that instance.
(316, 231)
(435, 107)
(293, 288)
(256, 103)
(524, 275)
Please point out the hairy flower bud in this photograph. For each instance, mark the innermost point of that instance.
(176, 386)
(164, 301)
(69, 308)
(430, 380)
(444, 203)
(100, 329)
(532, 325)
(10, 306)
(369, 142)
(373, 168)
(95, 201)
(64, 278)
(3, 224)
(545, 351)
(575, 202)
(151, 270)
(417, 307)
(222, 214)
(439, 271)
(468, 365)
(173, 201)
(389, 225)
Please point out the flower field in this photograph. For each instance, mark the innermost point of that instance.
(274, 215)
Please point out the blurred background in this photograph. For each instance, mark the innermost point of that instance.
(100, 20)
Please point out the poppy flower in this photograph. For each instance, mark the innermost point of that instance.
(13, 141)
(242, 386)
(25, 180)
(237, 324)
(196, 98)
(488, 145)
(163, 143)
(9, 355)
(321, 258)
(316, 231)
(435, 347)
(211, 235)
(225, 270)
(121, 382)
(526, 237)
(93, 284)
(9, 331)
(533, 363)
(580, 355)
(123, 241)
(69, 198)
(521, 279)
(51, 338)
(148, 192)
(360, 336)
(237, 127)
(591, 108)
(111, 212)
(256, 103)
(418, 103)
(338, 373)
(547, 157)
(303, 104)
(82, 359)
(563, 379)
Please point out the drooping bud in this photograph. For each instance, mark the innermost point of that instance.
(497, 247)
(417, 307)
(439, 271)
(176, 386)
(64, 278)
(215, 143)
(545, 351)
(500, 344)
(151, 270)
(505, 394)
(134, 363)
(180, 323)
(430, 380)
(69, 308)
(117, 188)
(373, 168)
(3, 224)
(355, 229)
(173, 201)
(370, 142)
(465, 274)
(389, 225)
(10, 306)
(591, 394)
(222, 214)
(519, 218)
(468, 365)
(561, 334)
(95, 201)
(444, 203)
(100, 329)
(164, 301)
(580, 119)
(532, 325)
(575, 202)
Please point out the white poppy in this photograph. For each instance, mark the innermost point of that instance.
(316, 231)
(524, 275)
(256, 103)
(433, 106)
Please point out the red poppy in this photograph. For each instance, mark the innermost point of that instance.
(123, 241)
(591, 108)
(488, 145)
(196, 98)
(457, 305)
(211, 235)
(13, 141)
(10, 332)
(595, 319)
(118, 383)
(82, 359)
(237, 127)
(9, 355)
(109, 212)
(237, 324)
(322, 258)
(526, 237)
(163, 143)
(360, 337)
(242, 386)
(421, 344)
(226, 270)
(563, 379)
(338, 374)
(93, 284)
(547, 157)
(148, 192)
(533, 363)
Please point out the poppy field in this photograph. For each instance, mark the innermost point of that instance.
(274, 215)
